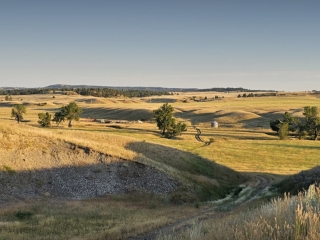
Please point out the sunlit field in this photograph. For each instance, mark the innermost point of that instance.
(242, 147)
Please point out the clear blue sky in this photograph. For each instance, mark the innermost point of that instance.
(252, 44)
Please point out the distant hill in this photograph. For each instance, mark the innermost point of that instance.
(10, 88)
(159, 89)
(109, 91)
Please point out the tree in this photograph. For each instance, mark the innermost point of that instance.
(178, 128)
(274, 125)
(8, 98)
(70, 112)
(312, 125)
(286, 125)
(18, 111)
(283, 130)
(44, 119)
(164, 117)
(58, 118)
(166, 122)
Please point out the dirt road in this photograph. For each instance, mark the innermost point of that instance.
(259, 185)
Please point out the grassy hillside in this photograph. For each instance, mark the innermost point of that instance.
(242, 143)
(28, 148)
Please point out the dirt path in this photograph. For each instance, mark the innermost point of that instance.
(260, 184)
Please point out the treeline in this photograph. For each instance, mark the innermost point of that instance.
(162, 89)
(229, 89)
(23, 91)
(258, 95)
(107, 92)
(96, 92)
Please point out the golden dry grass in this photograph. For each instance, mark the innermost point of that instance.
(117, 217)
(291, 217)
(243, 142)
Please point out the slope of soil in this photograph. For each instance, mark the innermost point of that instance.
(78, 173)
(299, 182)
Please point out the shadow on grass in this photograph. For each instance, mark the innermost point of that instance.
(116, 113)
(290, 145)
(208, 179)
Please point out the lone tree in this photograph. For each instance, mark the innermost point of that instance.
(164, 117)
(44, 119)
(70, 112)
(18, 111)
(166, 122)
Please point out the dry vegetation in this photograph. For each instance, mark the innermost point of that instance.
(291, 217)
(242, 143)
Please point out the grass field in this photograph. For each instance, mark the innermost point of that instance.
(242, 143)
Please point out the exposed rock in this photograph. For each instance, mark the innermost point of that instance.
(81, 180)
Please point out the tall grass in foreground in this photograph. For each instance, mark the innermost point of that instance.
(290, 217)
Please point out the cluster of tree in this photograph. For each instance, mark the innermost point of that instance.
(97, 92)
(107, 92)
(257, 95)
(69, 112)
(167, 123)
(161, 89)
(309, 126)
(24, 91)
(230, 89)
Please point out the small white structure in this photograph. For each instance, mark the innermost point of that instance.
(214, 124)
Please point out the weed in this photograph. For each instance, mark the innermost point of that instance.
(97, 170)
(9, 169)
(23, 215)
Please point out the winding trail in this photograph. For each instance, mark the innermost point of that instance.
(261, 183)
(197, 136)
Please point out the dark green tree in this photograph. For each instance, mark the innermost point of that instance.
(18, 111)
(164, 117)
(167, 123)
(44, 119)
(178, 128)
(312, 125)
(286, 125)
(274, 125)
(70, 112)
(58, 117)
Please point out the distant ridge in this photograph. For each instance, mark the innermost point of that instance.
(160, 89)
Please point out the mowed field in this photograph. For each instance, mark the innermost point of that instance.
(243, 143)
